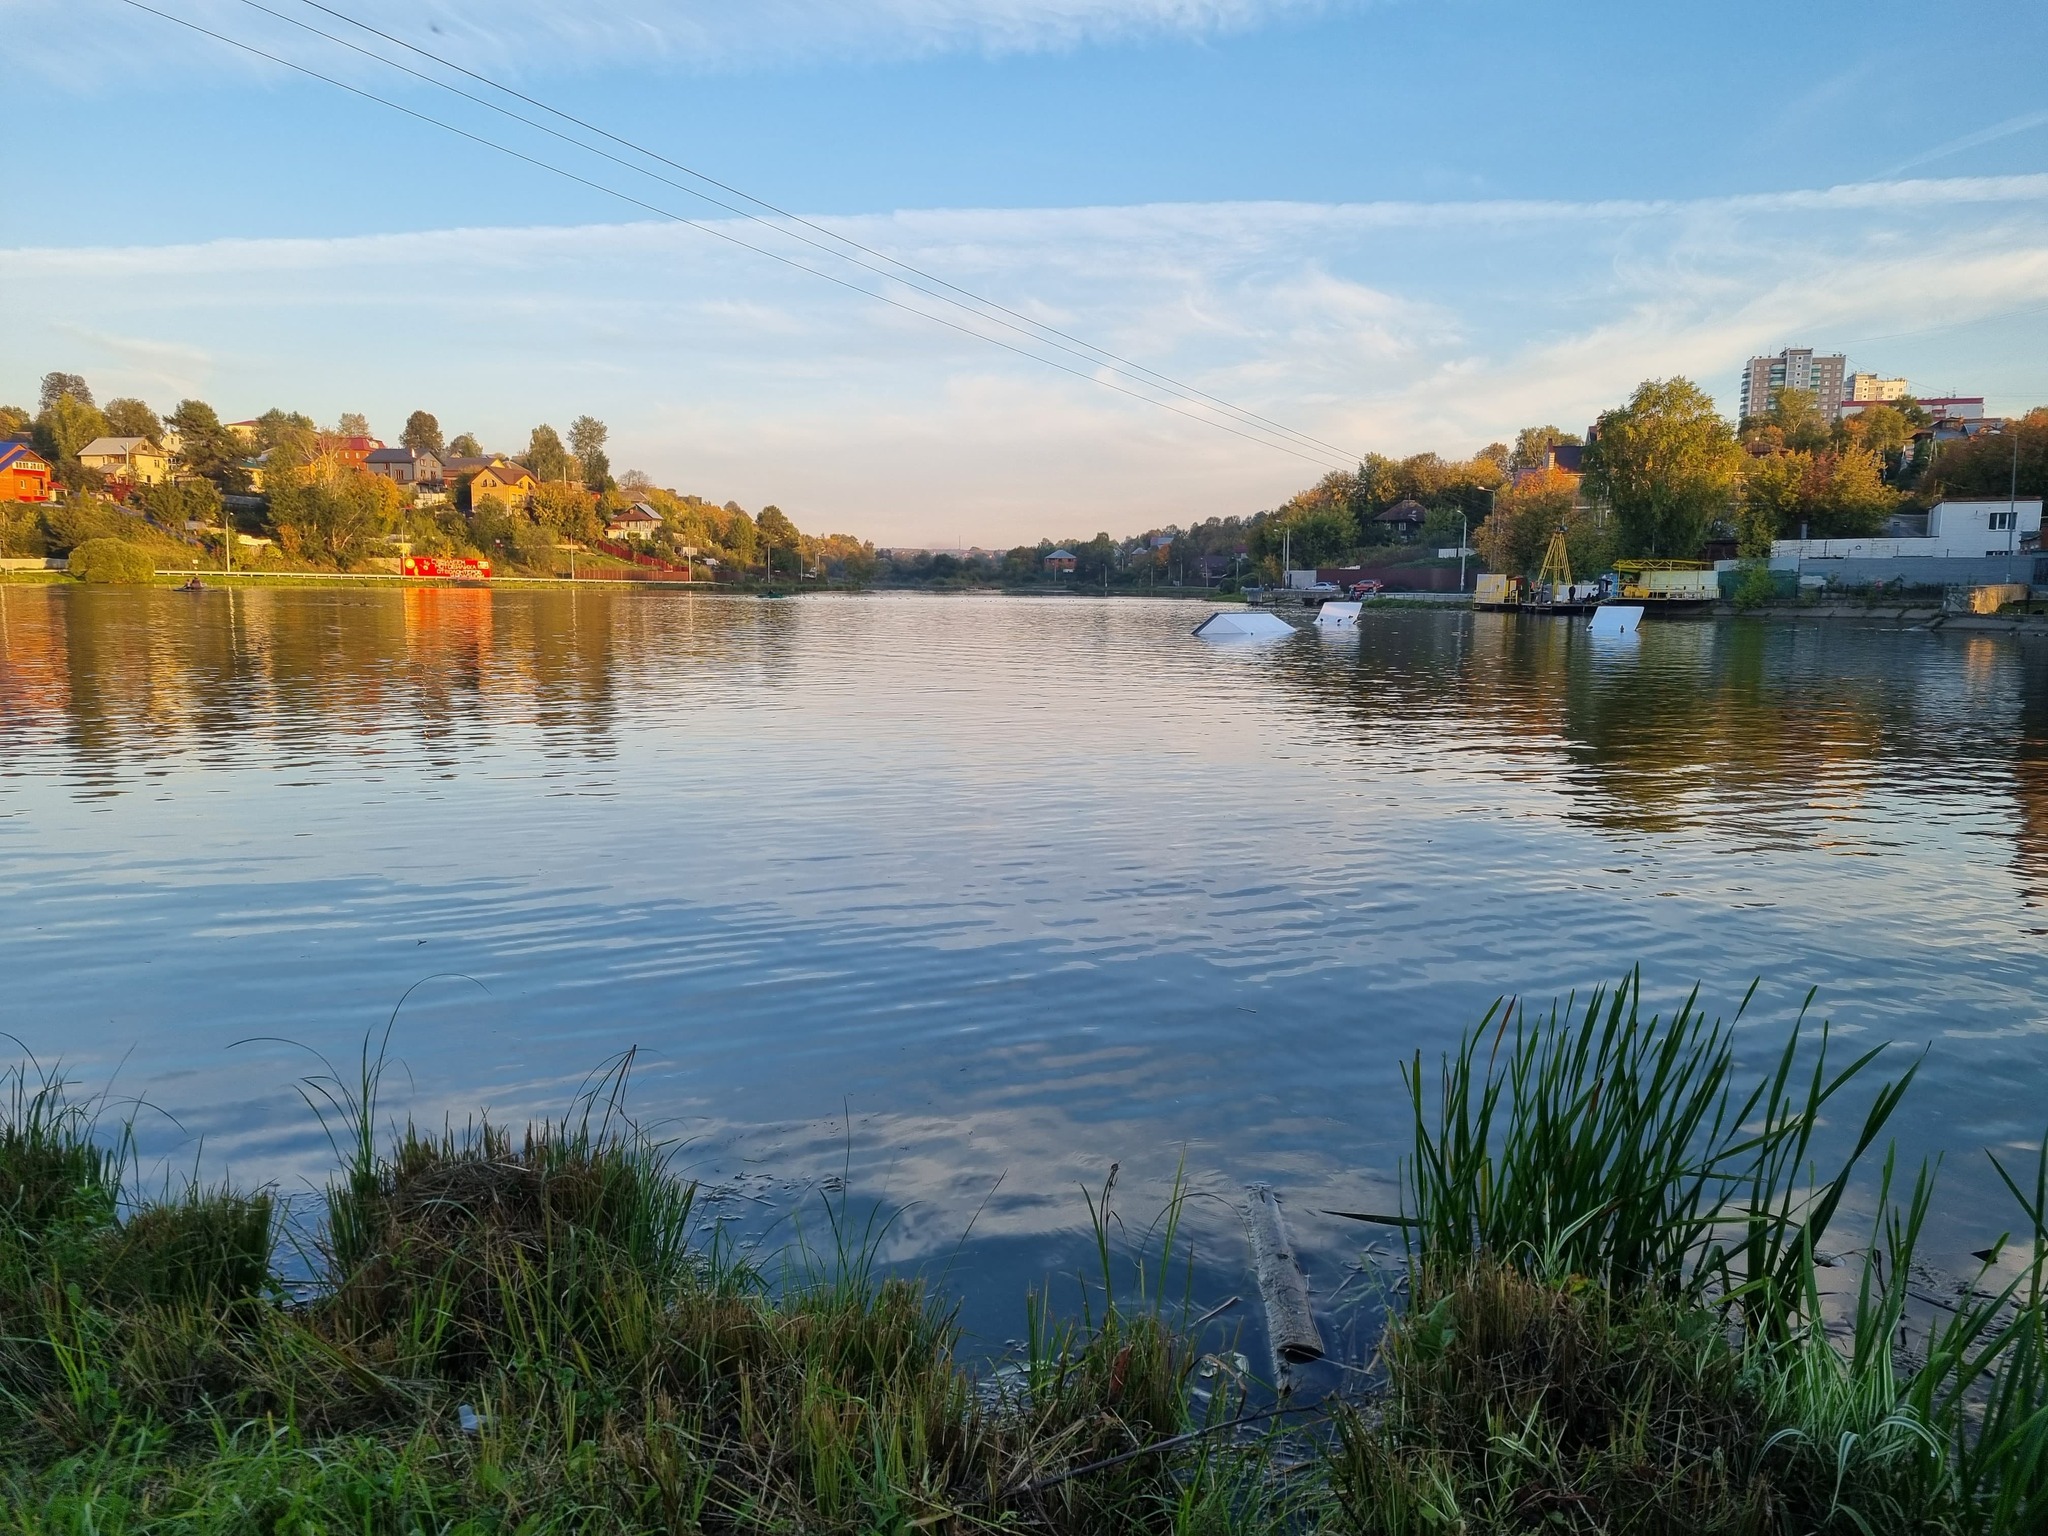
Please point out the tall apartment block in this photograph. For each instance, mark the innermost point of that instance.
(1823, 374)
(1868, 386)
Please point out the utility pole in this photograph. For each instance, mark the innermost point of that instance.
(2012, 504)
(1463, 525)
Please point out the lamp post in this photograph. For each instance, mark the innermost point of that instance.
(2012, 502)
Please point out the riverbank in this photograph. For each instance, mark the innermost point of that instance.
(1629, 1306)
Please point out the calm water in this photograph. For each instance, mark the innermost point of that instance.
(954, 895)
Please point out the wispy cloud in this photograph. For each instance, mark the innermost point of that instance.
(709, 35)
(1389, 326)
(1983, 136)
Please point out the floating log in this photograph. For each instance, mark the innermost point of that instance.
(1290, 1322)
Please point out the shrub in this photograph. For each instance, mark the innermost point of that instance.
(113, 562)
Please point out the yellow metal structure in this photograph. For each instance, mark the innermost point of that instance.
(1667, 581)
(1556, 574)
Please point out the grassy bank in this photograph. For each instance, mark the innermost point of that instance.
(1630, 1305)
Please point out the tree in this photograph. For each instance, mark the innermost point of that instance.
(205, 447)
(1667, 464)
(736, 535)
(1770, 502)
(174, 503)
(292, 432)
(1983, 465)
(352, 424)
(66, 425)
(464, 446)
(1825, 495)
(14, 421)
(1802, 425)
(131, 418)
(422, 433)
(1513, 540)
(1533, 445)
(63, 386)
(587, 437)
(545, 455)
(1308, 536)
(565, 511)
(328, 514)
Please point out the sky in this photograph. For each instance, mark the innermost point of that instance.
(1392, 226)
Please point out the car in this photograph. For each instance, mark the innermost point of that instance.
(1367, 588)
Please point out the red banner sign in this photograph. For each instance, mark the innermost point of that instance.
(445, 565)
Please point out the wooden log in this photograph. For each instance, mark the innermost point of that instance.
(1290, 1321)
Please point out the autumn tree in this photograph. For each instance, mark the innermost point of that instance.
(66, 425)
(464, 446)
(776, 532)
(1667, 464)
(15, 421)
(131, 418)
(422, 433)
(1514, 539)
(1984, 465)
(352, 424)
(332, 515)
(566, 511)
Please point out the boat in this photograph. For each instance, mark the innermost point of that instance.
(1551, 592)
(193, 585)
(1669, 586)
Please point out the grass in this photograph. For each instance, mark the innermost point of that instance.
(1629, 1308)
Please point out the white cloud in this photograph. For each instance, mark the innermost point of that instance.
(495, 36)
(1395, 327)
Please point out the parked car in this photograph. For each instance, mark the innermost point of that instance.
(1367, 588)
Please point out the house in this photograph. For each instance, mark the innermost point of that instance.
(244, 431)
(1403, 518)
(136, 460)
(404, 466)
(352, 451)
(639, 521)
(1061, 562)
(1956, 530)
(24, 474)
(501, 477)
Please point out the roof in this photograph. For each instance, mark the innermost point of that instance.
(639, 512)
(11, 451)
(505, 469)
(1061, 554)
(118, 446)
(463, 464)
(400, 456)
(1406, 510)
(1567, 456)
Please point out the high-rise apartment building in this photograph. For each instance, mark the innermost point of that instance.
(1821, 374)
(1868, 386)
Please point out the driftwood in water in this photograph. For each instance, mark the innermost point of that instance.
(1290, 1323)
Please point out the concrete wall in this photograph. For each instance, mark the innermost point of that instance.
(1922, 571)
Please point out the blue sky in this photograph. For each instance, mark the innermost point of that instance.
(1393, 226)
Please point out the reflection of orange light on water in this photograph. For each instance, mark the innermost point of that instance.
(448, 618)
(35, 675)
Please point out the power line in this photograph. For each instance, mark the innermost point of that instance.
(1193, 396)
(709, 229)
(1185, 390)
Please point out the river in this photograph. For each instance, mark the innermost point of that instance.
(964, 899)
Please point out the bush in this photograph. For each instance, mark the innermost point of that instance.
(113, 562)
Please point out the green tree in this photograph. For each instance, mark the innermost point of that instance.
(1513, 540)
(464, 446)
(1803, 426)
(565, 511)
(737, 536)
(352, 424)
(1983, 465)
(15, 421)
(205, 447)
(333, 519)
(777, 533)
(63, 386)
(131, 418)
(66, 425)
(1770, 502)
(1308, 536)
(1533, 445)
(112, 562)
(587, 438)
(1667, 464)
(545, 455)
(422, 433)
(174, 503)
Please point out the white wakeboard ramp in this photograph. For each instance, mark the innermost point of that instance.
(1616, 619)
(1248, 624)
(1338, 615)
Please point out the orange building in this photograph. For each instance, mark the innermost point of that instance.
(24, 474)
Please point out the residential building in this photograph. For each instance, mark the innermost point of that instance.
(639, 521)
(1404, 517)
(1868, 388)
(405, 466)
(501, 477)
(1565, 458)
(1821, 374)
(244, 431)
(24, 474)
(352, 451)
(1061, 562)
(136, 460)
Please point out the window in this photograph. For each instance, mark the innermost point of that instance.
(2001, 521)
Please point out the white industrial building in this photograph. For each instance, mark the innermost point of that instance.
(1956, 530)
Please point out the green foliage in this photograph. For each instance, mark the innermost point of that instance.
(1757, 587)
(1984, 465)
(586, 440)
(15, 422)
(66, 425)
(176, 502)
(205, 447)
(352, 424)
(1668, 466)
(1831, 494)
(1533, 444)
(545, 456)
(131, 418)
(422, 433)
(63, 386)
(334, 519)
(464, 446)
(112, 562)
